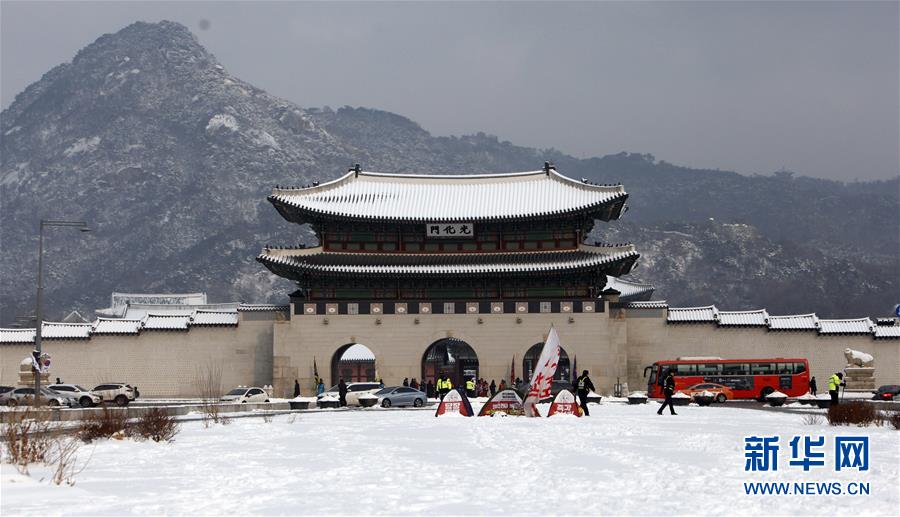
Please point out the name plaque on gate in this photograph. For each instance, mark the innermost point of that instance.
(447, 231)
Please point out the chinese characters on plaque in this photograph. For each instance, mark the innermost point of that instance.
(449, 230)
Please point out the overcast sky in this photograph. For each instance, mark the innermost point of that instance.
(752, 87)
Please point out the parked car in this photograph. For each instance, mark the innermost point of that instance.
(721, 393)
(118, 392)
(400, 396)
(354, 390)
(85, 398)
(887, 392)
(24, 397)
(244, 395)
(6, 389)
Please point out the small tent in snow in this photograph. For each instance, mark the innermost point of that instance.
(507, 401)
(455, 403)
(564, 404)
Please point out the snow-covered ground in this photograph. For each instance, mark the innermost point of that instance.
(621, 460)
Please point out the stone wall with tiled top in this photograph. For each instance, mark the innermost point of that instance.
(652, 339)
(159, 363)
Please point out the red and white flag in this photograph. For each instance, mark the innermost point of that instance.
(542, 378)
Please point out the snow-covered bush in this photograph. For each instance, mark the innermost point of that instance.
(26, 439)
(104, 424)
(859, 413)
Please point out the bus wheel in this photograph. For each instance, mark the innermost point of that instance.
(721, 398)
(768, 390)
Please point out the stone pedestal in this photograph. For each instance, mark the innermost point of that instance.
(859, 378)
(26, 374)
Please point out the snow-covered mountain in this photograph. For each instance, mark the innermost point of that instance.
(169, 157)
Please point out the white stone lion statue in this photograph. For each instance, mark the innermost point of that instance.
(857, 358)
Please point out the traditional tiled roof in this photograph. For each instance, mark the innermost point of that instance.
(743, 318)
(794, 322)
(447, 198)
(118, 301)
(887, 332)
(290, 263)
(358, 352)
(848, 326)
(10, 336)
(117, 326)
(630, 291)
(167, 322)
(214, 318)
(53, 330)
(262, 307)
(652, 304)
(140, 310)
(692, 314)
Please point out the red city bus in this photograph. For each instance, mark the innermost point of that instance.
(747, 378)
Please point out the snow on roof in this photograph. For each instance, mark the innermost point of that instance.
(887, 332)
(692, 314)
(140, 311)
(10, 336)
(358, 352)
(794, 322)
(846, 326)
(117, 326)
(167, 322)
(118, 301)
(215, 318)
(54, 330)
(426, 197)
(629, 290)
(743, 318)
(251, 307)
(652, 304)
(317, 260)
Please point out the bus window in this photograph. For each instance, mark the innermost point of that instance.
(799, 367)
(709, 369)
(785, 368)
(652, 380)
(762, 368)
(735, 369)
(682, 370)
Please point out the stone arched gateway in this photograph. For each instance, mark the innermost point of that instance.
(529, 363)
(452, 357)
(355, 362)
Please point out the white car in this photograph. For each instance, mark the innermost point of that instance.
(25, 396)
(119, 393)
(354, 390)
(244, 395)
(85, 398)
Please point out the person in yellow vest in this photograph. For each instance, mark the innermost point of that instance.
(470, 387)
(834, 383)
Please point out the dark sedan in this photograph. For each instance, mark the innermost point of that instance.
(887, 392)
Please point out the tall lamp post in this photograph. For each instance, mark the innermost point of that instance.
(39, 313)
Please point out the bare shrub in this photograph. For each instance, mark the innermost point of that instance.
(64, 460)
(812, 419)
(292, 419)
(27, 439)
(105, 424)
(267, 418)
(859, 413)
(208, 383)
(157, 425)
(224, 420)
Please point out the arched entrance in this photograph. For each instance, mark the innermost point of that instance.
(354, 362)
(529, 363)
(452, 357)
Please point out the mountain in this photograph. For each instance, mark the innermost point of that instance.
(169, 157)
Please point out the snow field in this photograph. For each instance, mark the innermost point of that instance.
(622, 460)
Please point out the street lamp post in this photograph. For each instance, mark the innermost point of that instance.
(39, 312)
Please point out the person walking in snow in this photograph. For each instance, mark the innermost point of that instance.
(470, 387)
(493, 388)
(585, 386)
(502, 385)
(342, 392)
(812, 386)
(320, 388)
(414, 384)
(406, 382)
(296, 388)
(668, 391)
